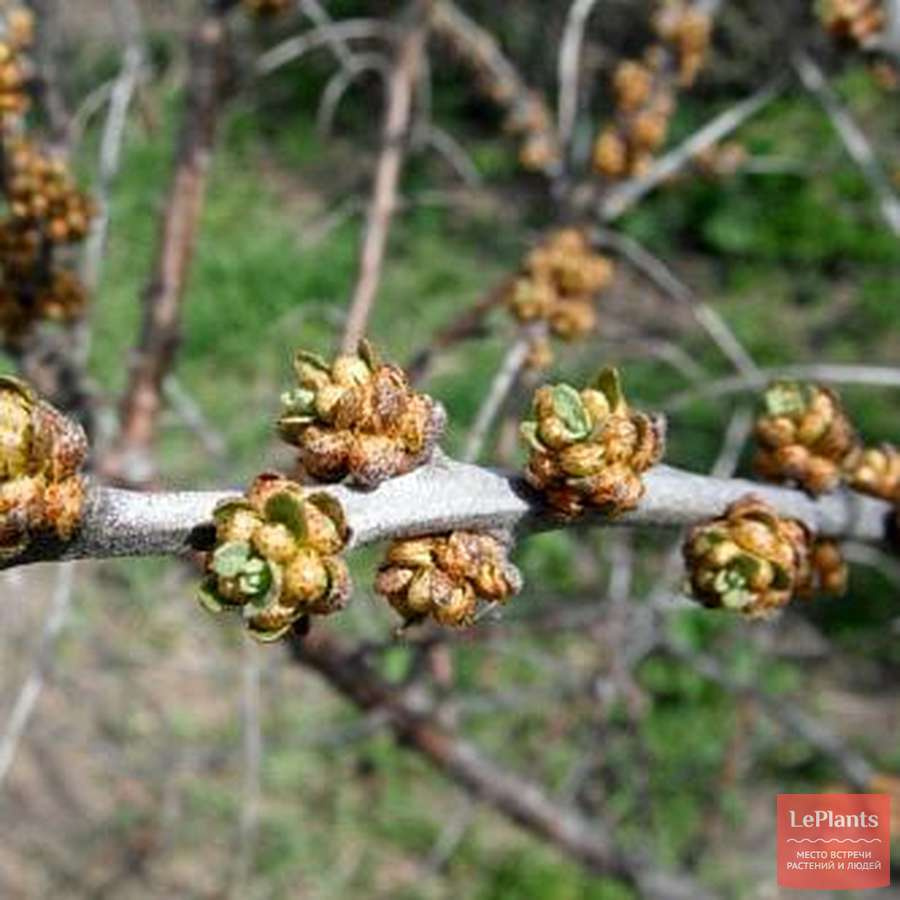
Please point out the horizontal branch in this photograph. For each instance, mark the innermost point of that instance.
(443, 496)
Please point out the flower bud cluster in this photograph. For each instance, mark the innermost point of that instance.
(589, 448)
(358, 419)
(443, 577)
(43, 196)
(557, 285)
(276, 557)
(17, 36)
(29, 294)
(531, 121)
(875, 471)
(45, 209)
(804, 437)
(686, 30)
(754, 561)
(644, 96)
(856, 21)
(41, 454)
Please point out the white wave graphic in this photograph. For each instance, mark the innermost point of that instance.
(834, 840)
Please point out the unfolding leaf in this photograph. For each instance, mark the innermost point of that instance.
(229, 560)
(287, 508)
(609, 384)
(332, 508)
(208, 597)
(570, 410)
(368, 354)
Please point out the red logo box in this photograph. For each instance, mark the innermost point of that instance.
(834, 841)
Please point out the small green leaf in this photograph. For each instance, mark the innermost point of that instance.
(255, 579)
(230, 559)
(271, 581)
(786, 398)
(528, 431)
(781, 580)
(300, 401)
(736, 598)
(208, 598)
(332, 508)
(729, 579)
(312, 359)
(268, 637)
(227, 507)
(609, 384)
(746, 566)
(287, 508)
(568, 407)
(290, 427)
(339, 584)
(368, 354)
(17, 386)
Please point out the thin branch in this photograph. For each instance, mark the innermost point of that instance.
(30, 692)
(468, 324)
(890, 37)
(853, 138)
(665, 279)
(293, 48)
(455, 154)
(502, 384)
(188, 410)
(318, 15)
(110, 155)
(121, 93)
(159, 338)
(830, 373)
(89, 107)
(400, 87)
(479, 48)
(353, 64)
(496, 75)
(570, 67)
(621, 198)
(418, 726)
(339, 84)
(47, 47)
(443, 496)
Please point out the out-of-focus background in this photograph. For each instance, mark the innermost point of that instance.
(167, 756)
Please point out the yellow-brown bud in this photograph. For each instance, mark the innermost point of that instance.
(358, 419)
(754, 561)
(588, 449)
(275, 556)
(804, 436)
(443, 576)
(41, 455)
